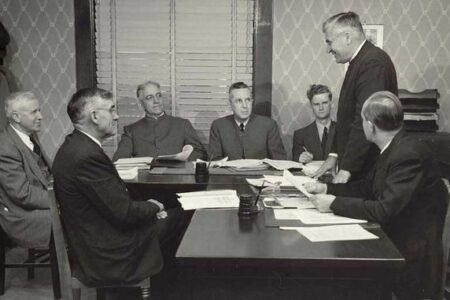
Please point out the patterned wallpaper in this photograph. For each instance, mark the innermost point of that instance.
(41, 56)
(416, 36)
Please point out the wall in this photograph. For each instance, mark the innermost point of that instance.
(41, 56)
(416, 36)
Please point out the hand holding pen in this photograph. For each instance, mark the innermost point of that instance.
(306, 156)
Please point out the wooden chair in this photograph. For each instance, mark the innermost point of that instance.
(37, 258)
(71, 287)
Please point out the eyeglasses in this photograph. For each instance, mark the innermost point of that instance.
(111, 110)
(152, 97)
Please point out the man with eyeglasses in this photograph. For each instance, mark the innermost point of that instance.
(157, 133)
(244, 135)
(111, 238)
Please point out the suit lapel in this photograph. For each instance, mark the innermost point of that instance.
(28, 156)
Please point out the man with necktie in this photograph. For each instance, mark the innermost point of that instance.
(314, 141)
(244, 135)
(24, 174)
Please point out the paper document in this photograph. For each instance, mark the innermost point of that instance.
(334, 233)
(283, 164)
(209, 199)
(245, 164)
(260, 182)
(140, 162)
(311, 167)
(284, 182)
(181, 156)
(128, 174)
(297, 182)
(313, 217)
(292, 202)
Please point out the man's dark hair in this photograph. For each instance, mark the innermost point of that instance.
(384, 110)
(317, 89)
(77, 103)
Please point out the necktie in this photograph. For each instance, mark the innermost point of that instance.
(36, 148)
(324, 139)
(241, 127)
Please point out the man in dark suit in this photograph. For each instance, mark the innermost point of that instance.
(24, 174)
(315, 140)
(112, 239)
(404, 193)
(243, 134)
(370, 70)
(157, 133)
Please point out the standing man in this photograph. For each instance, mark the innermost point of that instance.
(370, 70)
(243, 134)
(315, 140)
(157, 133)
(24, 174)
(111, 237)
(404, 193)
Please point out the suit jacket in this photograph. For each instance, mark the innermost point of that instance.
(261, 139)
(406, 195)
(111, 238)
(370, 71)
(153, 137)
(24, 202)
(308, 137)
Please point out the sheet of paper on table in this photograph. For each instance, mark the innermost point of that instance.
(313, 217)
(209, 199)
(283, 164)
(311, 167)
(297, 182)
(291, 202)
(139, 162)
(334, 233)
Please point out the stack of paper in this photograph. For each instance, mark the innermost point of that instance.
(334, 233)
(283, 164)
(245, 164)
(139, 162)
(209, 199)
(181, 156)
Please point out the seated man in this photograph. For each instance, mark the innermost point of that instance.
(243, 134)
(404, 193)
(24, 174)
(112, 239)
(314, 141)
(157, 133)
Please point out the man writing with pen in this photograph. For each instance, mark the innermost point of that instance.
(314, 141)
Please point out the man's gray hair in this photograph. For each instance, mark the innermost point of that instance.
(345, 19)
(142, 86)
(15, 98)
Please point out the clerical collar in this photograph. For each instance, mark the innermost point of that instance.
(156, 117)
(386, 146)
(91, 137)
(24, 137)
(239, 123)
(357, 50)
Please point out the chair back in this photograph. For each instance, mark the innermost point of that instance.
(59, 242)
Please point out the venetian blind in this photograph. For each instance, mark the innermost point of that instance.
(194, 48)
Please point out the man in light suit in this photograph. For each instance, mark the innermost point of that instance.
(370, 70)
(315, 140)
(112, 239)
(243, 134)
(157, 133)
(404, 193)
(24, 174)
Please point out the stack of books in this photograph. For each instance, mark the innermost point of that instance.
(420, 110)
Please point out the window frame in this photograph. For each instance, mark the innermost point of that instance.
(262, 51)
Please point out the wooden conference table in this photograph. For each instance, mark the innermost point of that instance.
(227, 257)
